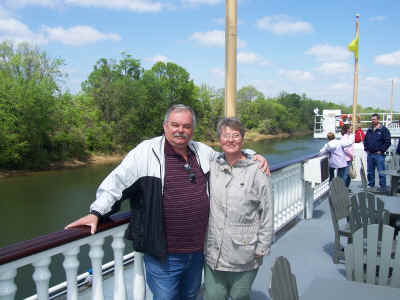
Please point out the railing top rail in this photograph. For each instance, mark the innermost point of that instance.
(279, 166)
(22, 249)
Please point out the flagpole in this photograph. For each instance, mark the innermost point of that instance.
(355, 87)
(391, 102)
(230, 57)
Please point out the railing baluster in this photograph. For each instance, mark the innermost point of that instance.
(139, 283)
(41, 276)
(96, 254)
(7, 285)
(71, 264)
(118, 246)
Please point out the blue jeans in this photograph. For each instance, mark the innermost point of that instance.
(179, 278)
(340, 173)
(375, 160)
(346, 175)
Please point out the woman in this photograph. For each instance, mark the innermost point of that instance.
(347, 138)
(240, 223)
(337, 157)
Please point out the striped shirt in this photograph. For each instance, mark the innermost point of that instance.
(185, 203)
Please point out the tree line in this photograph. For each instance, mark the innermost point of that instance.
(120, 104)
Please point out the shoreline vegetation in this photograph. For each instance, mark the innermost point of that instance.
(98, 159)
(44, 126)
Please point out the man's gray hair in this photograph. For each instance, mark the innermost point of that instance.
(231, 123)
(180, 107)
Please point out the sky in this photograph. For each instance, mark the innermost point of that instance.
(283, 45)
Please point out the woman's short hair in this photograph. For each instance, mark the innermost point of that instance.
(231, 123)
(330, 136)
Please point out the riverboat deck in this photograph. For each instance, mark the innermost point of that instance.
(302, 222)
(307, 244)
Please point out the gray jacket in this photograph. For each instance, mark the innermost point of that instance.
(241, 216)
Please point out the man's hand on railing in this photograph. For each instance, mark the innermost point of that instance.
(90, 220)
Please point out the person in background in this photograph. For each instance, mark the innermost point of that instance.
(359, 135)
(165, 179)
(336, 155)
(376, 142)
(347, 138)
(240, 226)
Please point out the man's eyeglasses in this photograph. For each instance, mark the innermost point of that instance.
(192, 176)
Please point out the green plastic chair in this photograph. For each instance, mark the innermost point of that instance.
(339, 205)
(373, 260)
(367, 208)
(283, 285)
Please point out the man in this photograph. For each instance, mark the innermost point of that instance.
(165, 179)
(376, 142)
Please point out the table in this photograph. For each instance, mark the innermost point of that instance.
(394, 180)
(335, 289)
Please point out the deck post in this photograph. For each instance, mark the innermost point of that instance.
(7, 286)
(308, 200)
(139, 283)
(308, 196)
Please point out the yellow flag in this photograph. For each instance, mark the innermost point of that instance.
(353, 46)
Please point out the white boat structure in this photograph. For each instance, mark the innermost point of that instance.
(303, 233)
(330, 120)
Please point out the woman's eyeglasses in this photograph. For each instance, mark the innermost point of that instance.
(192, 176)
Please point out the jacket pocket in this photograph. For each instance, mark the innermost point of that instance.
(244, 241)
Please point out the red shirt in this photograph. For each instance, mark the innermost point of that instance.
(359, 135)
(185, 203)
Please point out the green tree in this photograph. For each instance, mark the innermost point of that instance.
(28, 98)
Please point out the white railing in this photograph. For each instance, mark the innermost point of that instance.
(390, 120)
(41, 261)
(290, 198)
(287, 189)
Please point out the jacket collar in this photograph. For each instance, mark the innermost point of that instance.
(223, 164)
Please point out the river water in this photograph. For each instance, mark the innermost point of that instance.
(42, 203)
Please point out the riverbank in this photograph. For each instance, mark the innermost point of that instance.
(97, 159)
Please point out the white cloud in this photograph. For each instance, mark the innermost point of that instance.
(133, 5)
(218, 73)
(214, 38)
(376, 81)
(251, 58)
(219, 21)
(282, 24)
(210, 38)
(22, 3)
(296, 75)
(388, 59)
(341, 87)
(158, 58)
(241, 44)
(334, 68)
(327, 52)
(210, 2)
(377, 18)
(14, 30)
(79, 35)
